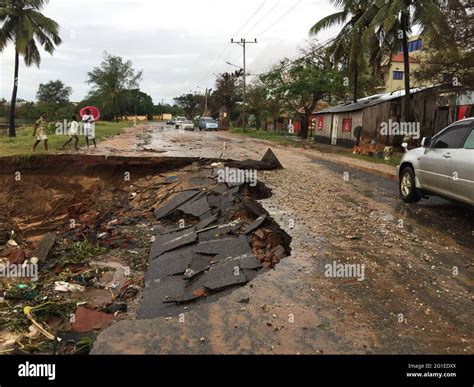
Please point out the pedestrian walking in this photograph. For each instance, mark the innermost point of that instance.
(73, 133)
(40, 133)
(89, 127)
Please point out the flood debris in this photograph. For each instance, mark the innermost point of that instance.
(87, 320)
(268, 162)
(44, 246)
(204, 242)
(137, 249)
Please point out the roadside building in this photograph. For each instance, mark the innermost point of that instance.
(433, 109)
(392, 67)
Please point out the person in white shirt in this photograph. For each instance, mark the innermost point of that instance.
(89, 127)
(73, 133)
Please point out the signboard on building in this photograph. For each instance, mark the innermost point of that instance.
(347, 125)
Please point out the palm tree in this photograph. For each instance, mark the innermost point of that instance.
(395, 21)
(26, 27)
(348, 45)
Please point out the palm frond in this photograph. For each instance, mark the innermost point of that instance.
(328, 21)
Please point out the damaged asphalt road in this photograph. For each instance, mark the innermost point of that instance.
(219, 279)
(409, 301)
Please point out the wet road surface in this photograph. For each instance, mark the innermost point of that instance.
(416, 292)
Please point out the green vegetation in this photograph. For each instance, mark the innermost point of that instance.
(21, 144)
(27, 29)
(279, 138)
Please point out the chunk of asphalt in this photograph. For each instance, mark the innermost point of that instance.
(220, 230)
(223, 276)
(221, 188)
(224, 248)
(255, 208)
(195, 207)
(250, 262)
(214, 200)
(177, 200)
(197, 265)
(162, 230)
(200, 181)
(172, 241)
(193, 289)
(207, 221)
(157, 291)
(255, 224)
(170, 263)
(44, 246)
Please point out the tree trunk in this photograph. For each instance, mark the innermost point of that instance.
(305, 125)
(406, 65)
(11, 128)
(356, 75)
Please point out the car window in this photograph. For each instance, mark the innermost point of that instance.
(469, 144)
(453, 137)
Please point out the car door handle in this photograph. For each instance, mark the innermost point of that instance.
(447, 155)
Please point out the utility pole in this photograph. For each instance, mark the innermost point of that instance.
(243, 44)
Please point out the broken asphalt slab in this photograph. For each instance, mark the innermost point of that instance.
(168, 242)
(177, 200)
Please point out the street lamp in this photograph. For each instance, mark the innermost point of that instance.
(231, 64)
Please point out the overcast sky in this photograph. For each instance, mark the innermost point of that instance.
(178, 44)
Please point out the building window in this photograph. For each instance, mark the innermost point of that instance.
(414, 45)
(398, 75)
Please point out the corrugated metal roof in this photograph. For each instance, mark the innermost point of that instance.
(370, 101)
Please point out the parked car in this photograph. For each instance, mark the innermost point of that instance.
(171, 122)
(442, 166)
(187, 125)
(179, 121)
(208, 123)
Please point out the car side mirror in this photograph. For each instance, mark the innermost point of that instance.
(426, 142)
(405, 146)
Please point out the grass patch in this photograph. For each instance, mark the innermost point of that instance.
(285, 139)
(23, 142)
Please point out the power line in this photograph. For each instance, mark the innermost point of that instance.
(280, 18)
(251, 17)
(226, 47)
(264, 16)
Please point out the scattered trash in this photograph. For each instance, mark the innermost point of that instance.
(61, 286)
(87, 320)
(44, 247)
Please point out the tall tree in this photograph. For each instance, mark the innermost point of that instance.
(188, 102)
(302, 83)
(111, 80)
(450, 59)
(396, 19)
(348, 46)
(26, 28)
(227, 93)
(54, 91)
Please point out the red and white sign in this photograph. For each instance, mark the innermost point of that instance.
(320, 122)
(347, 125)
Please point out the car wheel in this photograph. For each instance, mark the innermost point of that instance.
(407, 187)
